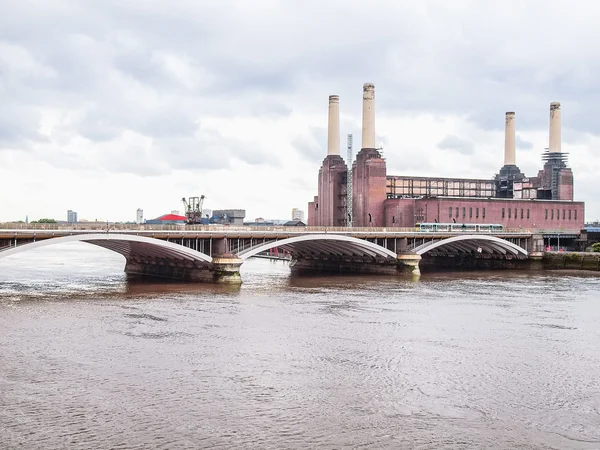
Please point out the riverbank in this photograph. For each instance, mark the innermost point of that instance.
(586, 261)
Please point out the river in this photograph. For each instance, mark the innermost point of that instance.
(479, 360)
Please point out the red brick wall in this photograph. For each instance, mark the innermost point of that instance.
(400, 212)
(331, 211)
(311, 214)
(318, 213)
(375, 192)
(560, 214)
(565, 184)
(557, 216)
(368, 189)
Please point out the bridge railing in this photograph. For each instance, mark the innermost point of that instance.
(103, 227)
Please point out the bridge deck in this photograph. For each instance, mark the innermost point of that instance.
(255, 233)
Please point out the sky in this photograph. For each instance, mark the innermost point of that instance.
(108, 106)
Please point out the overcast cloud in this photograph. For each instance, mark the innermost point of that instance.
(109, 106)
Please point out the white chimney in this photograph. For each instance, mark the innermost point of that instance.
(509, 140)
(333, 126)
(368, 131)
(555, 138)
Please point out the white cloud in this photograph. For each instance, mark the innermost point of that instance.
(113, 105)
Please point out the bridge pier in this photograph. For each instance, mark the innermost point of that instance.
(168, 269)
(409, 261)
(226, 269)
(223, 270)
(345, 265)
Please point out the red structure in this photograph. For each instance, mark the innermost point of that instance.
(368, 189)
(510, 198)
(167, 219)
(332, 192)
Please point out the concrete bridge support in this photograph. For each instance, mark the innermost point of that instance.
(226, 270)
(346, 265)
(168, 269)
(409, 262)
(221, 270)
(225, 267)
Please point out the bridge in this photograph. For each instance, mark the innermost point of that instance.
(215, 254)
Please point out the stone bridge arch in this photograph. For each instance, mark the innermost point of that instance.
(149, 257)
(130, 246)
(334, 245)
(469, 243)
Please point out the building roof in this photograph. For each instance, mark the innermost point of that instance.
(171, 217)
(294, 223)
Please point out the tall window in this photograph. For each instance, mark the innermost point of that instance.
(457, 212)
(464, 212)
(515, 213)
(546, 214)
(552, 215)
(564, 212)
(509, 212)
(521, 213)
(470, 213)
(483, 213)
(477, 213)
(503, 213)
(528, 213)
(575, 214)
(569, 214)
(450, 212)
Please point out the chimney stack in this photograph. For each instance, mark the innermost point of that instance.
(333, 126)
(509, 140)
(368, 131)
(555, 138)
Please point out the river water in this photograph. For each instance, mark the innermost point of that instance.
(484, 360)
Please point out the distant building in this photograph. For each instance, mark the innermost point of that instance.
(278, 221)
(167, 219)
(139, 216)
(228, 216)
(259, 222)
(71, 216)
(294, 223)
(509, 198)
(297, 214)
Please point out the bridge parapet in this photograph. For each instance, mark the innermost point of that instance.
(104, 227)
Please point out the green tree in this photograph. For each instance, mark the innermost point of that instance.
(596, 247)
(44, 221)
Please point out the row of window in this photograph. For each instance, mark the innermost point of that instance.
(567, 214)
(564, 214)
(516, 211)
(464, 213)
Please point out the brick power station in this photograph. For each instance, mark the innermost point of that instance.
(381, 200)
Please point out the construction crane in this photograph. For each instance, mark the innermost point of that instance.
(193, 209)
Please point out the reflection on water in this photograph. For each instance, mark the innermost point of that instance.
(478, 360)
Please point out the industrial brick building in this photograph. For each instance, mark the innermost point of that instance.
(510, 198)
